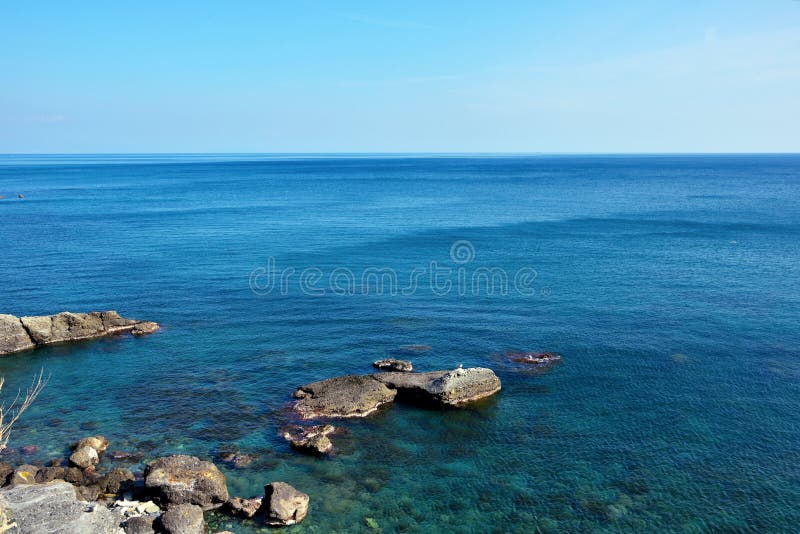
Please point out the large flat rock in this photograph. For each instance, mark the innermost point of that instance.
(343, 396)
(23, 333)
(445, 388)
(54, 509)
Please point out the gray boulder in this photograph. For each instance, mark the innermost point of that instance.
(391, 364)
(443, 388)
(23, 333)
(13, 336)
(243, 508)
(140, 524)
(284, 505)
(343, 396)
(84, 457)
(54, 509)
(23, 475)
(186, 480)
(183, 519)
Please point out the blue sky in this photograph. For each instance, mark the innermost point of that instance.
(302, 76)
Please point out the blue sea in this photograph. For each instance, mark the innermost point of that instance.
(670, 285)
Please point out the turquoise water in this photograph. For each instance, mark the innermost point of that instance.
(668, 283)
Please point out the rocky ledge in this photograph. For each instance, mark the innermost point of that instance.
(25, 333)
(361, 395)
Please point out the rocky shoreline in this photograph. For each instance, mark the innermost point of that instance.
(19, 334)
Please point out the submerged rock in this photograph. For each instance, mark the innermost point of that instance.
(537, 359)
(183, 519)
(391, 364)
(23, 333)
(54, 508)
(284, 505)
(343, 396)
(186, 480)
(243, 508)
(310, 439)
(444, 388)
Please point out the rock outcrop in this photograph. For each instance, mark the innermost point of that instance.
(391, 364)
(54, 508)
(243, 508)
(310, 439)
(283, 505)
(24, 333)
(535, 360)
(186, 480)
(343, 396)
(443, 388)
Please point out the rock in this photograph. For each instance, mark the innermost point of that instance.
(186, 480)
(144, 328)
(13, 336)
(5, 473)
(98, 443)
(343, 396)
(84, 457)
(310, 439)
(117, 481)
(24, 474)
(29, 449)
(88, 493)
(443, 388)
(20, 196)
(237, 459)
(54, 509)
(140, 524)
(394, 365)
(284, 505)
(23, 333)
(77, 476)
(49, 474)
(183, 519)
(537, 359)
(243, 508)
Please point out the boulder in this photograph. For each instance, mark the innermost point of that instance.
(98, 443)
(140, 524)
(343, 396)
(310, 439)
(23, 475)
(391, 364)
(84, 457)
(283, 505)
(243, 508)
(183, 519)
(5, 473)
(443, 388)
(117, 481)
(49, 474)
(23, 333)
(54, 509)
(186, 480)
(13, 336)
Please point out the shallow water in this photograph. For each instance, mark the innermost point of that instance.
(668, 283)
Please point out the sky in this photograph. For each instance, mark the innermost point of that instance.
(412, 76)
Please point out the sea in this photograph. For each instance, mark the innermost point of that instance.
(669, 284)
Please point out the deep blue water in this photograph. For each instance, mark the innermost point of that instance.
(668, 283)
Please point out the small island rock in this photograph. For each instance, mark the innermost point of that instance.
(310, 439)
(391, 364)
(444, 388)
(342, 396)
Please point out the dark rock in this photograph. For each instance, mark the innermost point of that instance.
(310, 439)
(24, 474)
(117, 481)
(140, 524)
(183, 519)
(283, 505)
(186, 480)
(53, 507)
(5, 473)
(343, 396)
(20, 196)
(237, 460)
(541, 360)
(88, 493)
(76, 476)
(243, 508)
(394, 365)
(23, 333)
(443, 388)
(29, 449)
(49, 474)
